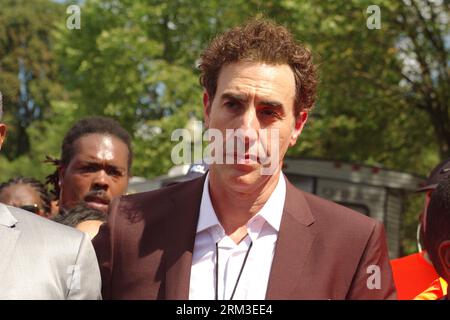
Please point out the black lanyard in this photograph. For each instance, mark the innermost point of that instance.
(240, 272)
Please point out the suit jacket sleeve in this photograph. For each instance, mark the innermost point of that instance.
(373, 277)
(85, 283)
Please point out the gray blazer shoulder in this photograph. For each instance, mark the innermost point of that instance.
(41, 259)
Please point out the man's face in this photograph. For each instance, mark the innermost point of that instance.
(252, 96)
(97, 172)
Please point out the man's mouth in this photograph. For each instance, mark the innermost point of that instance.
(246, 158)
(97, 202)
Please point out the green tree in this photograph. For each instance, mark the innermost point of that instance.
(45, 140)
(27, 67)
(136, 61)
(363, 113)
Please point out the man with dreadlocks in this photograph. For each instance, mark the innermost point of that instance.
(41, 259)
(94, 166)
(26, 193)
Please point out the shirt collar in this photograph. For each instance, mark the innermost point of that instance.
(271, 212)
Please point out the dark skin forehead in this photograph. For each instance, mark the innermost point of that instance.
(102, 150)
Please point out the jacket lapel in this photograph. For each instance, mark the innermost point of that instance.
(178, 258)
(294, 242)
(9, 234)
(295, 239)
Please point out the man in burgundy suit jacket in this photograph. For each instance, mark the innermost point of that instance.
(192, 240)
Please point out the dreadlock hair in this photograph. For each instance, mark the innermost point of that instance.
(36, 185)
(86, 126)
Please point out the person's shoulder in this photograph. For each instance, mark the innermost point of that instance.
(37, 226)
(27, 218)
(154, 204)
(333, 211)
(159, 197)
(163, 192)
(333, 217)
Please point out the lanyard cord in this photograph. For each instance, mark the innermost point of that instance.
(240, 272)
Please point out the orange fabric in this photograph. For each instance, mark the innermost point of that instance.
(412, 275)
(436, 291)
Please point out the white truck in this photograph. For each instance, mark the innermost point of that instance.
(373, 191)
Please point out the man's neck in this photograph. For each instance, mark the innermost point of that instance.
(234, 209)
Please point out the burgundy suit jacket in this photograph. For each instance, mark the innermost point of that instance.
(323, 251)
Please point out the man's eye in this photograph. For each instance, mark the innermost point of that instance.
(89, 169)
(115, 173)
(269, 113)
(231, 105)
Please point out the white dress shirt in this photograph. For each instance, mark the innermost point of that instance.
(262, 231)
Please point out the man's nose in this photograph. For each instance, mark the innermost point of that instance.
(101, 180)
(249, 119)
(249, 126)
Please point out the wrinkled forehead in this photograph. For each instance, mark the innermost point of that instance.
(265, 80)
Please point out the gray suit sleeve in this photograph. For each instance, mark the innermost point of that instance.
(84, 281)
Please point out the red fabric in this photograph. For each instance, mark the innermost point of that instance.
(436, 291)
(412, 275)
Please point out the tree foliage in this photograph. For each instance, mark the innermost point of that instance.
(28, 70)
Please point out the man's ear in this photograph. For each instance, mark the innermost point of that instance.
(206, 108)
(300, 121)
(2, 134)
(444, 257)
(61, 171)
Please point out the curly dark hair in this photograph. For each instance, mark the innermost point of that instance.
(83, 127)
(36, 185)
(261, 40)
